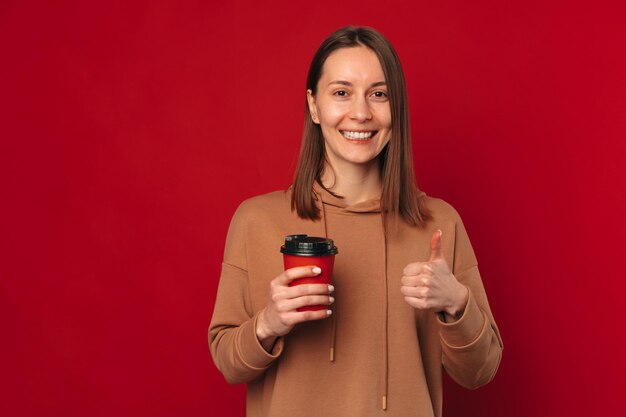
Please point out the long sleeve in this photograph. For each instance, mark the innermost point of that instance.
(471, 346)
(235, 348)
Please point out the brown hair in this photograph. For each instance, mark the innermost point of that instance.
(400, 193)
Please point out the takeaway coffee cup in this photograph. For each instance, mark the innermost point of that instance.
(304, 250)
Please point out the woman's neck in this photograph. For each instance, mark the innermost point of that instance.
(355, 183)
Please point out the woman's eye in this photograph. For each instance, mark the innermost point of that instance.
(379, 94)
(341, 93)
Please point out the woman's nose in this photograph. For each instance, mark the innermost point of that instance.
(360, 110)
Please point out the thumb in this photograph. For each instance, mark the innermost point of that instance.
(435, 246)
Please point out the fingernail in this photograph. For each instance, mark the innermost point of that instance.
(331, 299)
(317, 270)
(329, 312)
(331, 288)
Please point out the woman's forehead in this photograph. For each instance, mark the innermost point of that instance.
(353, 65)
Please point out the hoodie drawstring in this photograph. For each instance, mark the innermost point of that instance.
(385, 316)
(333, 330)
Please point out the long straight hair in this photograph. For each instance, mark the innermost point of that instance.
(400, 194)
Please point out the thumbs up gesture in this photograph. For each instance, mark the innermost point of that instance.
(431, 285)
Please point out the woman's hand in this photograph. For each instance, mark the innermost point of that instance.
(432, 286)
(281, 315)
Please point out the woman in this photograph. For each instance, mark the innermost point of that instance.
(408, 299)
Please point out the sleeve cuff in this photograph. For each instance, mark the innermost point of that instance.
(250, 350)
(467, 329)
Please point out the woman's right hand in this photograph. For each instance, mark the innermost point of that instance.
(281, 315)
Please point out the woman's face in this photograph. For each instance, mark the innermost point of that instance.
(352, 106)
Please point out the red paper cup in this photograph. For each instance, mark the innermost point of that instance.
(304, 250)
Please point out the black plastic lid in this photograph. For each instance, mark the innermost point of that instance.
(305, 245)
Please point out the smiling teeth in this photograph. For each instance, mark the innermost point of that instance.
(358, 135)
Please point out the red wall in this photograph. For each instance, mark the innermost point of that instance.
(131, 131)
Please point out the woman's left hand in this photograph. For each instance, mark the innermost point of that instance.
(432, 286)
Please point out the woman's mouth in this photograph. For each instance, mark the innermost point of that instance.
(353, 135)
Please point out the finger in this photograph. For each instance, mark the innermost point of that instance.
(308, 300)
(307, 289)
(435, 246)
(419, 303)
(413, 280)
(413, 268)
(302, 316)
(416, 292)
(298, 272)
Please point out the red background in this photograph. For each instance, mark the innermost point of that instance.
(130, 131)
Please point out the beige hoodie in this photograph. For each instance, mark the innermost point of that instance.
(388, 356)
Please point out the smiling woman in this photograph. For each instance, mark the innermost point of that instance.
(407, 299)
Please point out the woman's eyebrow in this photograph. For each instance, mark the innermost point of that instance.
(349, 84)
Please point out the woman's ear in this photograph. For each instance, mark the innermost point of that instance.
(310, 98)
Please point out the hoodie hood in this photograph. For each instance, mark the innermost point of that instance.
(325, 196)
